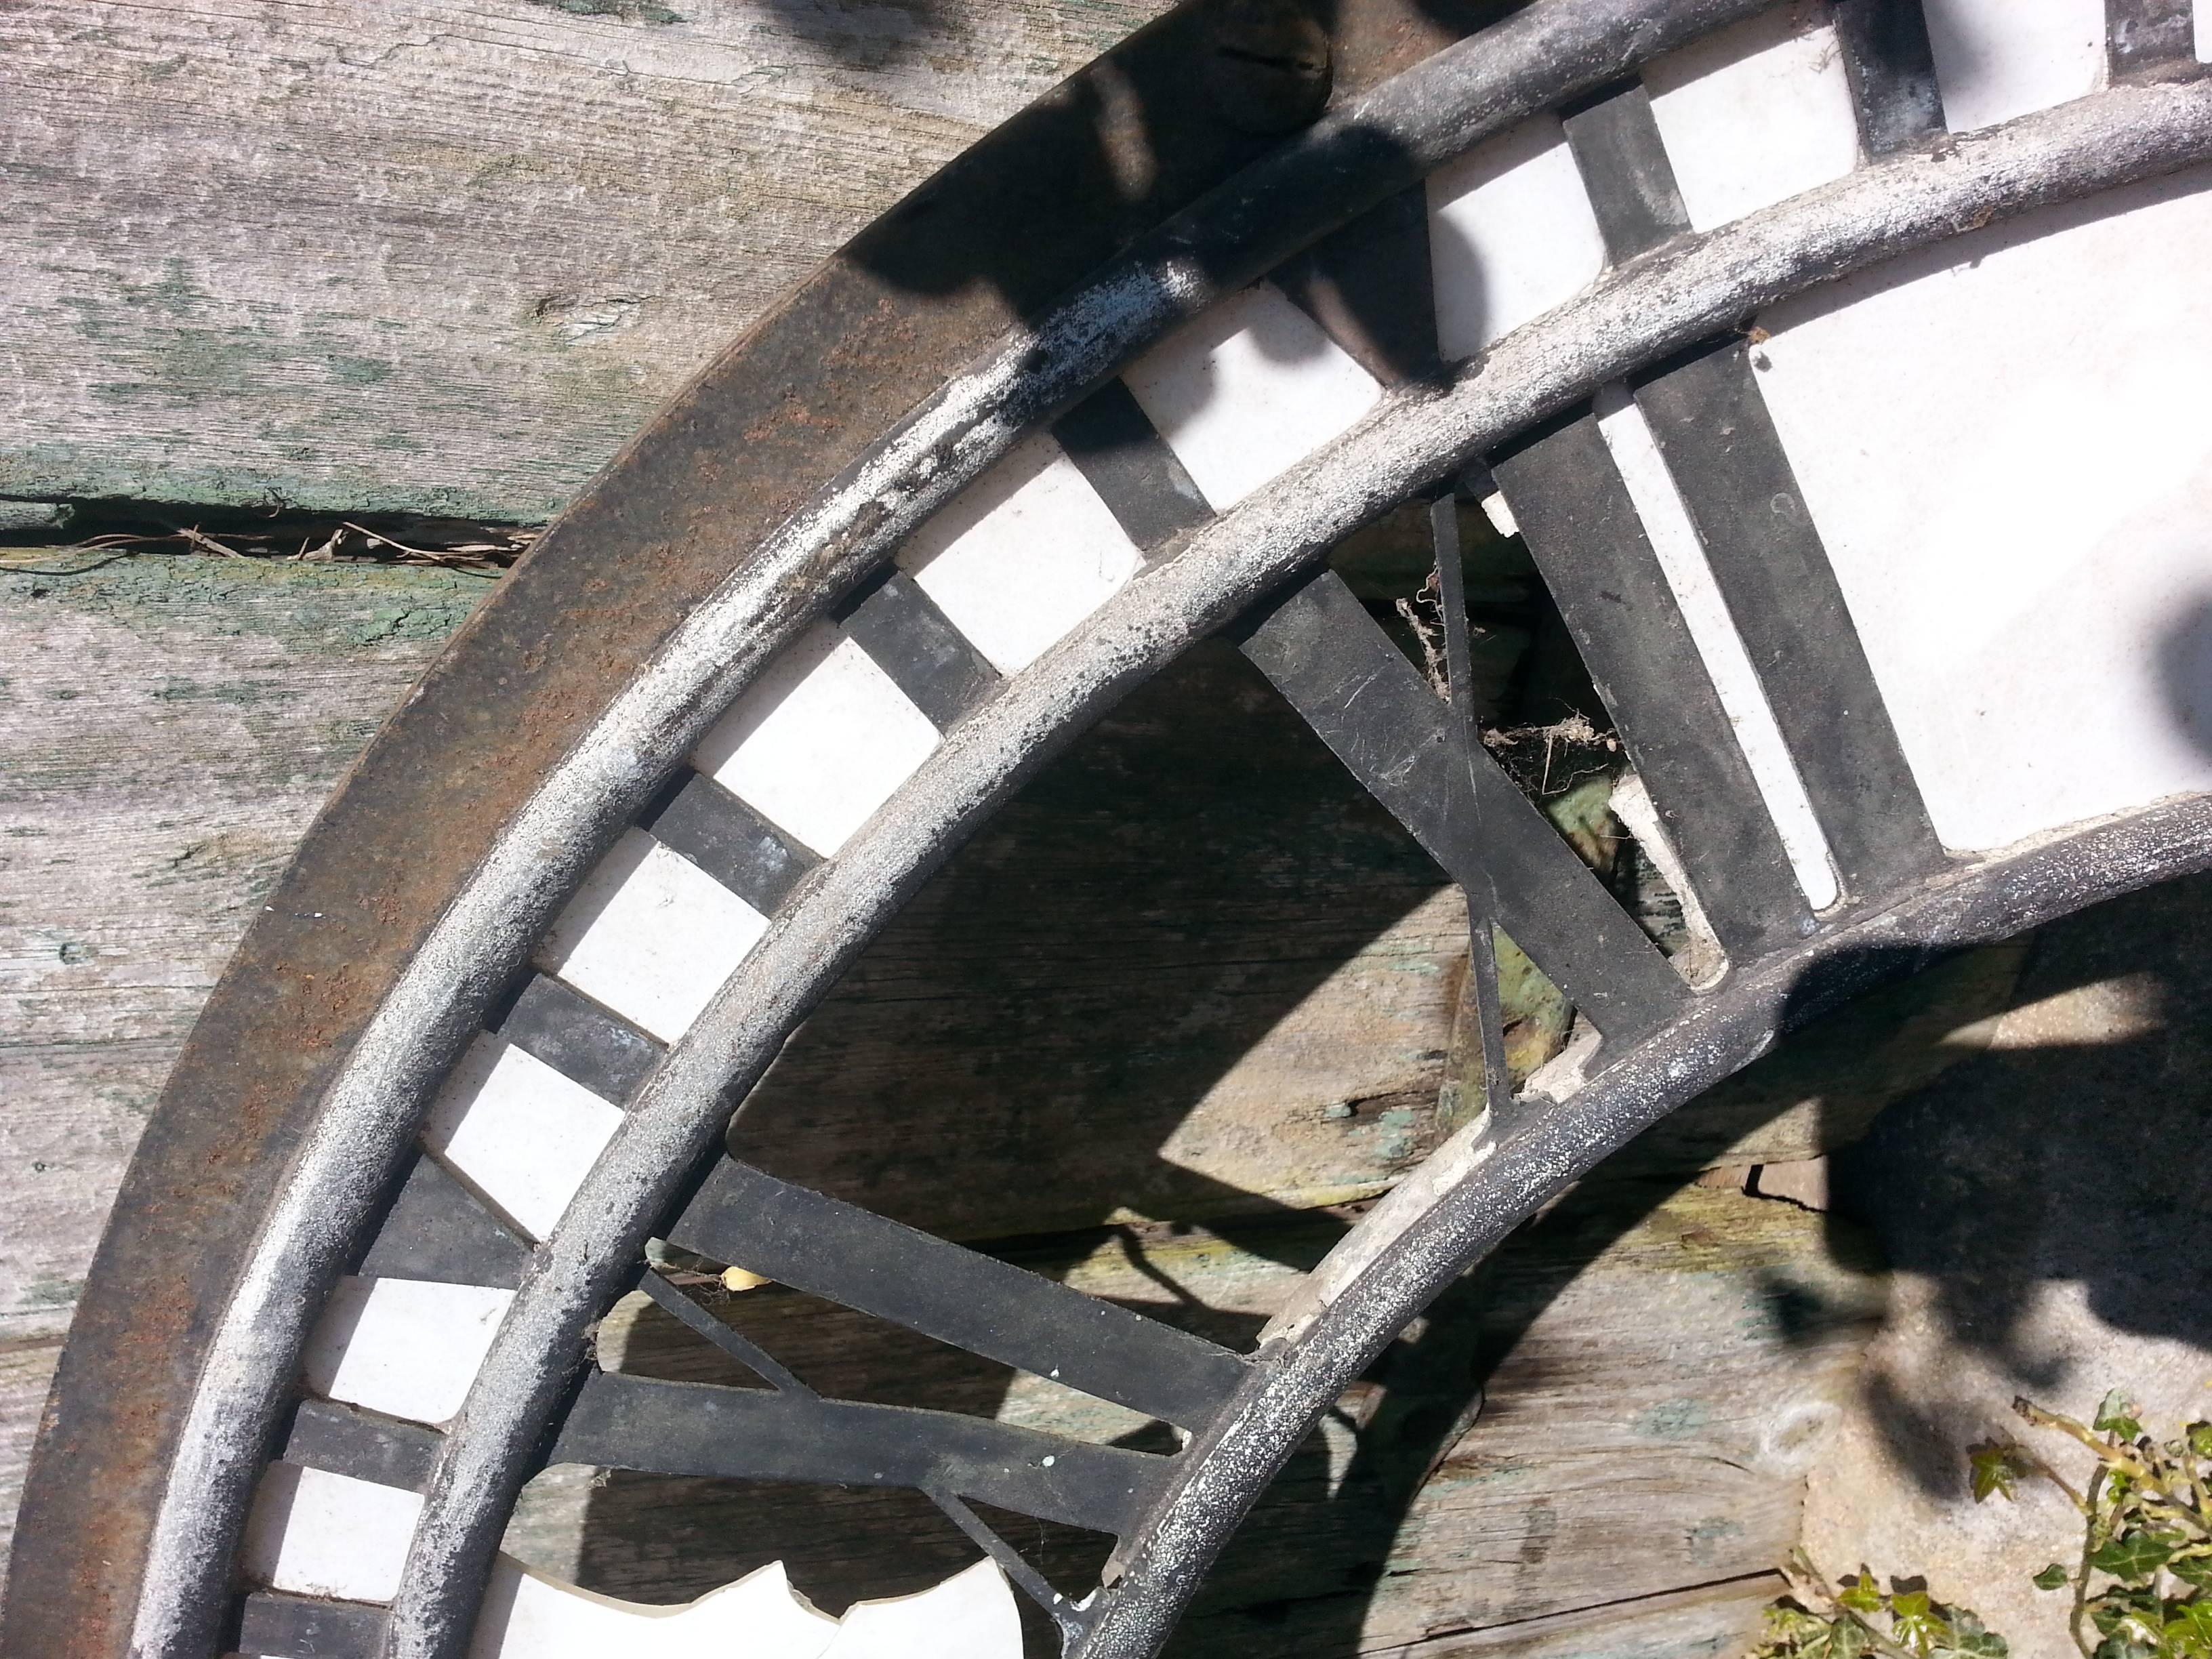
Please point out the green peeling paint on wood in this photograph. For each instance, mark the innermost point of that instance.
(442, 256)
(168, 726)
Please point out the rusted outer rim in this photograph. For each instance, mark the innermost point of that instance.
(1672, 298)
(1547, 1147)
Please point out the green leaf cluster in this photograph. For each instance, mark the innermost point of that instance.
(2143, 1585)
(2142, 1580)
(1856, 1619)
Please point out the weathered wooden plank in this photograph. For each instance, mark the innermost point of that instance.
(167, 727)
(1654, 1371)
(1710, 1622)
(441, 255)
(26, 1369)
(1658, 1369)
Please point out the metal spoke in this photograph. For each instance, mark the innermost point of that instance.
(904, 633)
(740, 1347)
(847, 1255)
(1712, 425)
(622, 1422)
(1481, 899)
(274, 1624)
(438, 1229)
(1341, 672)
(1892, 69)
(1063, 1613)
(1574, 511)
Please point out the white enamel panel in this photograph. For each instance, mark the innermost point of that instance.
(317, 1533)
(1021, 555)
(2004, 445)
(1511, 236)
(519, 1132)
(406, 1347)
(1996, 59)
(1682, 558)
(1755, 114)
(971, 1615)
(526, 1615)
(1247, 391)
(651, 935)
(819, 742)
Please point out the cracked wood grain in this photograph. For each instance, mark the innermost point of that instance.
(441, 256)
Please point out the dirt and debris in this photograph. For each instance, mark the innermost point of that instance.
(78, 535)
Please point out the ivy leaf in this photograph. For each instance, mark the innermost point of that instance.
(2200, 1438)
(2133, 1556)
(2117, 1607)
(1848, 1639)
(1791, 1630)
(2194, 1568)
(1793, 1624)
(2188, 1629)
(2117, 1416)
(2119, 1647)
(1996, 1466)
(1915, 1622)
(2053, 1576)
(1971, 1640)
(1860, 1593)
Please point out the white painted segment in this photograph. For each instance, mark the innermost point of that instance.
(2203, 18)
(1512, 234)
(819, 741)
(2004, 445)
(1021, 555)
(313, 1533)
(1996, 59)
(526, 1615)
(651, 935)
(520, 1134)
(971, 1615)
(1755, 114)
(1681, 556)
(1247, 390)
(406, 1347)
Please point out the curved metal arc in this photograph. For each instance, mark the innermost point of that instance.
(1643, 312)
(1512, 1176)
(368, 1116)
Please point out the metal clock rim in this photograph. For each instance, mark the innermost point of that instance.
(2118, 137)
(1289, 197)
(1648, 310)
